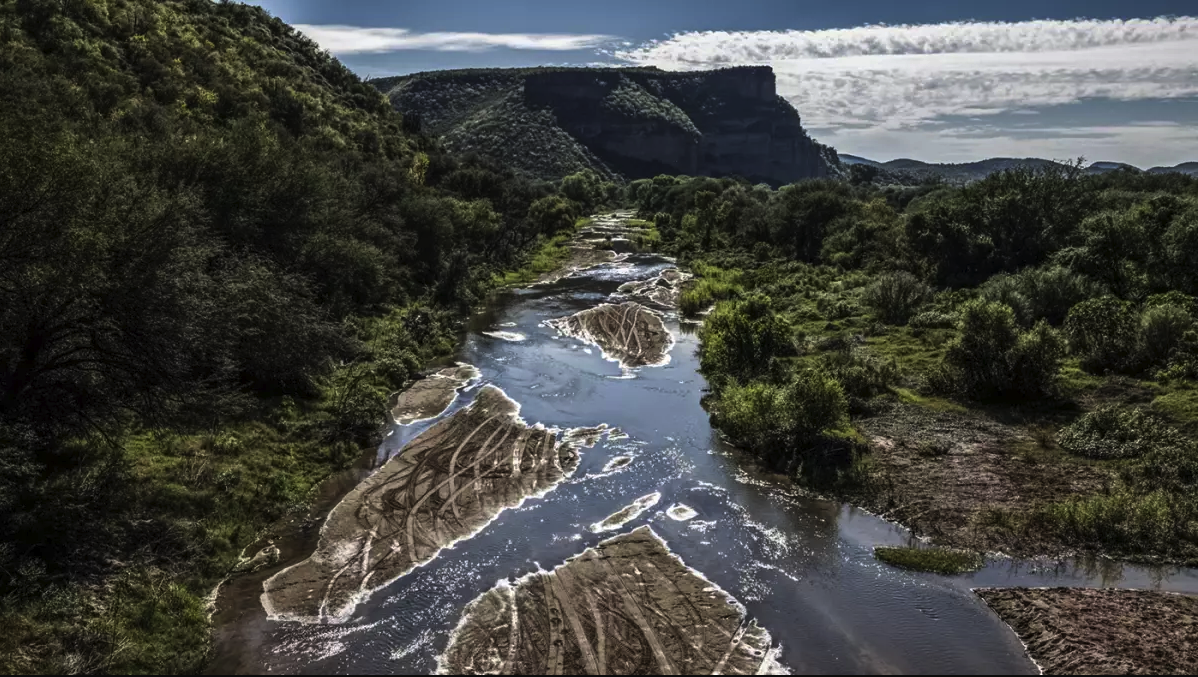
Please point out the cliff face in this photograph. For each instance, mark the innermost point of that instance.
(633, 122)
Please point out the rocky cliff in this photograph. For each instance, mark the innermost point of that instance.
(629, 122)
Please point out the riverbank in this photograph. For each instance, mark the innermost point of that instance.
(1102, 632)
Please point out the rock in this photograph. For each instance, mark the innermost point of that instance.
(625, 607)
(444, 486)
(432, 395)
(628, 332)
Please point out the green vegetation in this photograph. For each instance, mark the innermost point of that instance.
(1049, 298)
(932, 560)
(219, 252)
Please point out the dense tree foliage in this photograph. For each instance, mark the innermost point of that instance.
(219, 252)
(1026, 287)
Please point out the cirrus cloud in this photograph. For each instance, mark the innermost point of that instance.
(358, 40)
(899, 77)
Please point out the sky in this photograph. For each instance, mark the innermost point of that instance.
(934, 80)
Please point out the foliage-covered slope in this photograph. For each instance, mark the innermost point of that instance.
(629, 122)
(219, 251)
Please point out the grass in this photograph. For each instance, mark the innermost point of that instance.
(545, 259)
(931, 560)
(933, 403)
(711, 284)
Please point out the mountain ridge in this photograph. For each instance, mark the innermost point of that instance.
(981, 168)
(618, 122)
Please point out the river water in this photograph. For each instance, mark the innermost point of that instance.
(802, 567)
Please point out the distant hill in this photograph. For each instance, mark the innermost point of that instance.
(1190, 168)
(626, 122)
(972, 171)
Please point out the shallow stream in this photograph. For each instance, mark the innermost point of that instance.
(802, 567)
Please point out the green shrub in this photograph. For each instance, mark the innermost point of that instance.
(1035, 361)
(1005, 289)
(933, 560)
(775, 419)
(1104, 333)
(1174, 298)
(933, 319)
(860, 374)
(1162, 328)
(894, 297)
(992, 358)
(1052, 290)
(740, 340)
(1116, 432)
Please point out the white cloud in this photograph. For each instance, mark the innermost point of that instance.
(356, 40)
(901, 78)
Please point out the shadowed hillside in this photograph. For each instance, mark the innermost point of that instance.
(627, 122)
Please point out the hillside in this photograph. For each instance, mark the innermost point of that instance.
(220, 251)
(626, 122)
(906, 169)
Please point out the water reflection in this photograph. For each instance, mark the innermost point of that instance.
(803, 567)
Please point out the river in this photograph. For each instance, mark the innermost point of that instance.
(802, 567)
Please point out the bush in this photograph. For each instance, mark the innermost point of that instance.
(740, 340)
(894, 297)
(935, 560)
(1162, 328)
(775, 419)
(1035, 361)
(1116, 432)
(933, 319)
(1005, 289)
(1052, 290)
(1103, 332)
(861, 375)
(991, 358)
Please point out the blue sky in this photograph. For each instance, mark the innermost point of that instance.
(940, 80)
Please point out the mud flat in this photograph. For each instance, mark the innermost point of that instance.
(1085, 631)
(662, 289)
(629, 332)
(444, 486)
(625, 607)
(431, 395)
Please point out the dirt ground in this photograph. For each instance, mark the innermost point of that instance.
(625, 607)
(445, 485)
(1077, 631)
(941, 472)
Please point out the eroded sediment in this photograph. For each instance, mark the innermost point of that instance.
(432, 395)
(629, 332)
(445, 485)
(1081, 631)
(625, 607)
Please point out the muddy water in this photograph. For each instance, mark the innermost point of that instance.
(803, 568)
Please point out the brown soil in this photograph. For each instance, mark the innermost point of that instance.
(941, 473)
(431, 395)
(444, 486)
(625, 607)
(628, 332)
(1102, 632)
